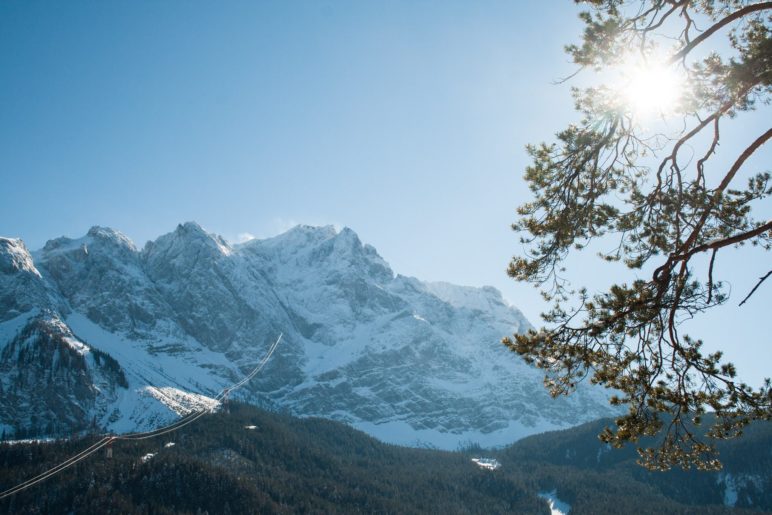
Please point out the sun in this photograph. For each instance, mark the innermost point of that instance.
(651, 90)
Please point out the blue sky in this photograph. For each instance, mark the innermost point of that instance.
(405, 121)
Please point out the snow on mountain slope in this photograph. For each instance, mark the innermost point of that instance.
(50, 380)
(101, 276)
(22, 287)
(407, 361)
(213, 296)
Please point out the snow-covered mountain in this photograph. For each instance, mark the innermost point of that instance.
(97, 333)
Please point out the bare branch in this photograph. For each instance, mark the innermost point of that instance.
(761, 280)
(710, 275)
(718, 25)
(563, 80)
(711, 150)
(725, 182)
(725, 242)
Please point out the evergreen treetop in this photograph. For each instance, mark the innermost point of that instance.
(662, 199)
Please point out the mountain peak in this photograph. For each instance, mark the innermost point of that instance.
(348, 234)
(470, 297)
(109, 235)
(323, 246)
(314, 232)
(402, 360)
(190, 228)
(14, 257)
(192, 231)
(298, 237)
(186, 238)
(318, 233)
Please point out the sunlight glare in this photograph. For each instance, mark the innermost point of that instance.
(651, 90)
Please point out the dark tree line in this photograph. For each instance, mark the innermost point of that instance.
(288, 465)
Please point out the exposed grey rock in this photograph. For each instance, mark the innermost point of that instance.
(22, 287)
(52, 383)
(406, 360)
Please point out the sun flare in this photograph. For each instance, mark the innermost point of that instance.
(651, 90)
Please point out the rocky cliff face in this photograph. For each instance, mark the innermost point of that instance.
(408, 361)
(22, 288)
(52, 383)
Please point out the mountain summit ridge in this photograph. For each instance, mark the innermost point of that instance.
(407, 361)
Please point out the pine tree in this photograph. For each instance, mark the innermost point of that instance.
(663, 200)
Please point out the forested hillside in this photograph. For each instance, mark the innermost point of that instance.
(249, 461)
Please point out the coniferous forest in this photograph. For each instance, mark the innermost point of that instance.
(252, 461)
